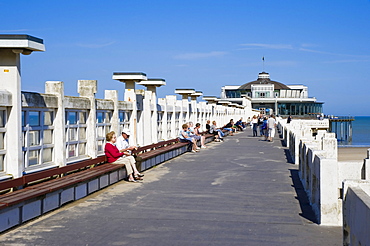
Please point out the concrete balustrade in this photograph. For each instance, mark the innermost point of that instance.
(322, 175)
(356, 212)
(53, 129)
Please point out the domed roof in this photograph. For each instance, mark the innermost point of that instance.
(264, 78)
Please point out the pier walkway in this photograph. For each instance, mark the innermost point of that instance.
(240, 192)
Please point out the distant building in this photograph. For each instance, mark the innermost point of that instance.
(270, 96)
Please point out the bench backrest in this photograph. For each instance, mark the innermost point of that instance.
(155, 146)
(28, 178)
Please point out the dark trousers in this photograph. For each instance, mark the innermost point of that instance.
(190, 144)
(255, 126)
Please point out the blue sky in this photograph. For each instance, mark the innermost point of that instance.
(202, 44)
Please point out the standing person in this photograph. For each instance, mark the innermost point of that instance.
(289, 119)
(115, 156)
(260, 122)
(123, 146)
(254, 123)
(265, 130)
(271, 124)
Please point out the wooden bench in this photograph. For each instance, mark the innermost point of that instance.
(49, 174)
(41, 192)
(154, 154)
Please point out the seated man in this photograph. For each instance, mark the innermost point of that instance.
(239, 124)
(123, 145)
(185, 138)
(229, 126)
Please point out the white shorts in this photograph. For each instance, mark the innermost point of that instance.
(272, 132)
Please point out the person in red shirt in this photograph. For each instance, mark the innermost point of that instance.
(115, 156)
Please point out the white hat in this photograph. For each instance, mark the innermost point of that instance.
(126, 131)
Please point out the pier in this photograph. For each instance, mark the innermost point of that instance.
(240, 192)
(342, 127)
(56, 187)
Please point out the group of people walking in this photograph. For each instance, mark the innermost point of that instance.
(266, 126)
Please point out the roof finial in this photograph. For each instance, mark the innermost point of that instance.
(263, 63)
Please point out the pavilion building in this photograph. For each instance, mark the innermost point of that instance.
(270, 97)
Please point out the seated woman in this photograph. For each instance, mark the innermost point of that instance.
(208, 126)
(197, 134)
(115, 156)
(191, 133)
(185, 138)
(216, 131)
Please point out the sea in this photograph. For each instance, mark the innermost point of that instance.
(360, 133)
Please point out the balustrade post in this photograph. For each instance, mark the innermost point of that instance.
(11, 46)
(185, 93)
(59, 134)
(88, 89)
(193, 106)
(211, 101)
(113, 95)
(171, 106)
(130, 96)
(225, 108)
(150, 108)
(163, 103)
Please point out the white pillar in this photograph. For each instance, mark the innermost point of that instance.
(11, 46)
(171, 107)
(130, 96)
(113, 95)
(59, 137)
(88, 89)
(211, 101)
(185, 93)
(194, 108)
(163, 103)
(151, 95)
(146, 117)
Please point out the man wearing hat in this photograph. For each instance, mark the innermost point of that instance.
(122, 144)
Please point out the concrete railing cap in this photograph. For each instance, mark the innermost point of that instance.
(154, 82)
(126, 76)
(184, 91)
(21, 42)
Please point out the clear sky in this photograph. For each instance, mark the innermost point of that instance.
(202, 44)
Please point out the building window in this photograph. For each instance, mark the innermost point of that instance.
(37, 136)
(103, 126)
(75, 134)
(3, 121)
(169, 121)
(124, 120)
(159, 126)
